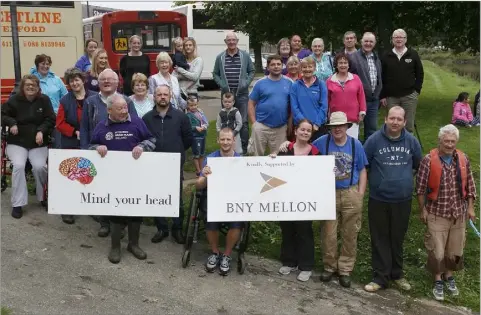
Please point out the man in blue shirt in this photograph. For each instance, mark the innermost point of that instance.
(351, 180)
(122, 132)
(268, 109)
(226, 142)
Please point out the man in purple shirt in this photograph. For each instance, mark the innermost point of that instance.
(122, 132)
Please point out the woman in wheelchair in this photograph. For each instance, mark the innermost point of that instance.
(70, 113)
(297, 247)
(30, 118)
(218, 259)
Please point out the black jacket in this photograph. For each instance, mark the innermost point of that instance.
(30, 118)
(401, 77)
(173, 133)
(358, 65)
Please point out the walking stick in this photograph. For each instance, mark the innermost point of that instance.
(419, 138)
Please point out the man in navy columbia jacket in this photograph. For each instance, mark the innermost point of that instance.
(172, 131)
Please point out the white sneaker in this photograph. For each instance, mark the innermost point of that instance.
(304, 276)
(285, 270)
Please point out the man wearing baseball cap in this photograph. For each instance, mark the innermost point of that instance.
(351, 180)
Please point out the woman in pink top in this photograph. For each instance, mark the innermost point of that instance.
(462, 115)
(345, 93)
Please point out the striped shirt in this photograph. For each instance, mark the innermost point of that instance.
(232, 69)
(372, 71)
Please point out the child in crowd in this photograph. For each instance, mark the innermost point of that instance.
(178, 58)
(199, 124)
(462, 115)
(230, 116)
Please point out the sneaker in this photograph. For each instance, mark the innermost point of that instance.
(304, 276)
(438, 291)
(212, 262)
(372, 287)
(224, 266)
(285, 270)
(403, 284)
(451, 285)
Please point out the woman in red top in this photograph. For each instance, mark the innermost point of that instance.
(345, 93)
(70, 113)
(297, 247)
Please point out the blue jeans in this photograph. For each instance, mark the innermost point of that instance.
(370, 121)
(198, 147)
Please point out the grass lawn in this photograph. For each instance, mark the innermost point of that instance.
(434, 110)
(6, 311)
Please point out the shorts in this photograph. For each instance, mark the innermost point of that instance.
(215, 226)
(198, 147)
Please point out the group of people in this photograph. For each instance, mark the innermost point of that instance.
(307, 104)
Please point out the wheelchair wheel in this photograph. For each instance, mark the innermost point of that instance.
(185, 258)
(4, 183)
(241, 264)
(189, 236)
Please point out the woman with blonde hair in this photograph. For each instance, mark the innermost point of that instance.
(100, 62)
(293, 68)
(163, 77)
(143, 101)
(133, 62)
(189, 78)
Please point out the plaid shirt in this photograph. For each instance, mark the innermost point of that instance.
(372, 71)
(449, 204)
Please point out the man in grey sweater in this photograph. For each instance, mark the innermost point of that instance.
(367, 65)
(233, 72)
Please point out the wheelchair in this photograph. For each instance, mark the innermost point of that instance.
(198, 214)
(7, 167)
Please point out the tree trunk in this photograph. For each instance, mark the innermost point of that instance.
(257, 46)
(385, 26)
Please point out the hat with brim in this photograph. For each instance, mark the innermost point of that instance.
(339, 119)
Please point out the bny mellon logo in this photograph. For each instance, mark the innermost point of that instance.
(271, 182)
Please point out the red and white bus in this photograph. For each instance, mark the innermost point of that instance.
(157, 29)
(53, 28)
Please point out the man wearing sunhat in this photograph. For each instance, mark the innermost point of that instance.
(351, 180)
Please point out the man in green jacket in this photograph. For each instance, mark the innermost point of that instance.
(234, 72)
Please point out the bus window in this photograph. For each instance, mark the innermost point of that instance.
(97, 32)
(87, 32)
(155, 37)
(200, 22)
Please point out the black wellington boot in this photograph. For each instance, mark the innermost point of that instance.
(133, 247)
(114, 255)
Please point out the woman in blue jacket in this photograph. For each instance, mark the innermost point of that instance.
(85, 62)
(309, 99)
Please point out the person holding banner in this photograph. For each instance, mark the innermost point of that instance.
(226, 142)
(122, 132)
(351, 180)
(297, 247)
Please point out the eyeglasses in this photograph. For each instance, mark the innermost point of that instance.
(107, 80)
(399, 37)
(31, 85)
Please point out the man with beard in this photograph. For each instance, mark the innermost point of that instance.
(173, 133)
(268, 109)
(393, 155)
(226, 142)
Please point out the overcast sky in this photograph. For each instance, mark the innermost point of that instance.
(133, 5)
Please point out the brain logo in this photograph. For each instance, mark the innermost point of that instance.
(78, 168)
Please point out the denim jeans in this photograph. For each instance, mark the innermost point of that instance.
(370, 121)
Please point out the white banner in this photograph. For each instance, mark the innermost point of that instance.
(81, 182)
(288, 188)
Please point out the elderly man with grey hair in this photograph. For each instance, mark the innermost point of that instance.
(122, 132)
(95, 110)
(233, 72)
(446, 193)
(403, 76)
(367, 65)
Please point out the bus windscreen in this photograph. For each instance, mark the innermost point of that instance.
(155, 36)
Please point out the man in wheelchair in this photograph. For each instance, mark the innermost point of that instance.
(226, 142)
